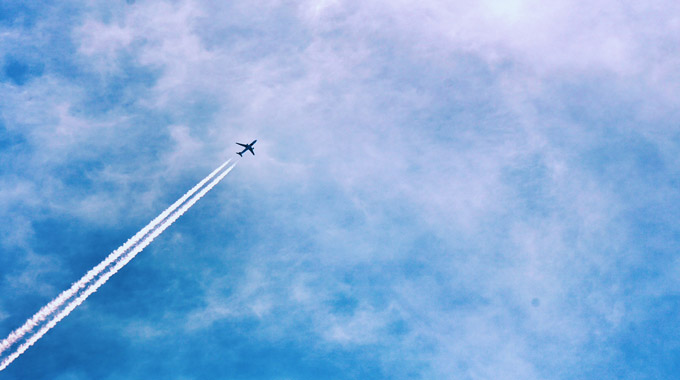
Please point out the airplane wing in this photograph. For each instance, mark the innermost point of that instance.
(243, 145)
(252, 151)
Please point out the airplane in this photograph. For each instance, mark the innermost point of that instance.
(246, 148)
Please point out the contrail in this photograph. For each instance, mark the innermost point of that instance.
(55, 304)
(120, 264)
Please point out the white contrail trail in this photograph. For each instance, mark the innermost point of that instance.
(56, 303)
(120, 264)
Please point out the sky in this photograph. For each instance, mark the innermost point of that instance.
(441, 189)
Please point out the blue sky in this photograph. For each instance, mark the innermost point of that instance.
(441, 189)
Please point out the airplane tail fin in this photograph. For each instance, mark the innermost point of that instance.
(240, 154)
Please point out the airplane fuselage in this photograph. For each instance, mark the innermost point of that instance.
(246, 147)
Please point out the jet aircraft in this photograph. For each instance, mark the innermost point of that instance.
(246, 147)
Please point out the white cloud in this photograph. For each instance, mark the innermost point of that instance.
(326, 93)
(103, 43)
(353, 94)
(30, 281)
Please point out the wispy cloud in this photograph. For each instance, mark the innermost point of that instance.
(483, 190)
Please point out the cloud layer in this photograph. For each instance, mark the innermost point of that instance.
(441, 190)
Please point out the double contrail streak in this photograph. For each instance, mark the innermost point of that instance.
(56, 303)
(138, 242)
